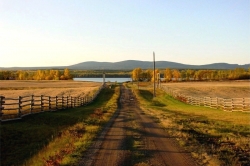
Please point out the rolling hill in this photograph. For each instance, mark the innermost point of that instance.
(131, 64)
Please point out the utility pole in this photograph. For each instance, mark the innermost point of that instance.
(154, 73)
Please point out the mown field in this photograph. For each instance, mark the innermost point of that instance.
(226, 89)
(15, 88)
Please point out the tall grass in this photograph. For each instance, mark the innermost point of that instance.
(59, 137)
(213, 136)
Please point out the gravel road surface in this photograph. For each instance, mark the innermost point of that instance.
(132, 137)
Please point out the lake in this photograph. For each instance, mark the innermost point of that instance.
(119, 80)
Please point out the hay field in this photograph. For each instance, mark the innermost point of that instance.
(15, 88)
(227, 89)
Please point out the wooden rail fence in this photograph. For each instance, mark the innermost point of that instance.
(16, 108)
(226, 104)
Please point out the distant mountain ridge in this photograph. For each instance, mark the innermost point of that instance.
(131, 64)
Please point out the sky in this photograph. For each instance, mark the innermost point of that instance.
(36, 33)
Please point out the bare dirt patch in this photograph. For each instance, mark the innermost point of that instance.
(14, 88)
(229, 89)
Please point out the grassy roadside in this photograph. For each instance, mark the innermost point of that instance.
(56, 137)
(213, 136)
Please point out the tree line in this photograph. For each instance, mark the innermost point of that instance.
(36, 75)
(137, 74)
(168, 74)
(99, 73)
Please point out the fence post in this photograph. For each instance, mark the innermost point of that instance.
(225, 105)
(1, 105)
(56, 102)
(243, 104)
(31, 103)
(71, 102)
(74, 102)
(67, 101)
(232, 104)
(49, 103)
(19, 106)
(62, 102)
(41, 103)
(217, 103)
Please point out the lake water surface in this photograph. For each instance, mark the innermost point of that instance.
(119, 80)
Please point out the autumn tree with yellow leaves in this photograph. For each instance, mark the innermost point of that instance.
(36, 75)
(168, 74)
(136, 74)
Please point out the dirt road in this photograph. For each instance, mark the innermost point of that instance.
(134, 138)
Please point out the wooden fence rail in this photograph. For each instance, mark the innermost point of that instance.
(232, 104)
(16, 108)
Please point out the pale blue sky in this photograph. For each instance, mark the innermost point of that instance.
(66, 32)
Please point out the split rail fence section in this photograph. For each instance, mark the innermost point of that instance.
(226, 104)
(16, 108)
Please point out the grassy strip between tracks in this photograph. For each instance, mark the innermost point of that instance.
(56, 138)
(213, 137)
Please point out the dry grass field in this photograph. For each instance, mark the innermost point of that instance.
(227, 89)
(15, 88)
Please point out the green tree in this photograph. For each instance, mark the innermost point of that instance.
(190, 74)
(237, 73)
(214, 75)
(183, 75)
(6, 75)
(199, 74)
(146, 75)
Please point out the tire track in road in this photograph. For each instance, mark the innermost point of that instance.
(159, 149)
(108, 149)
